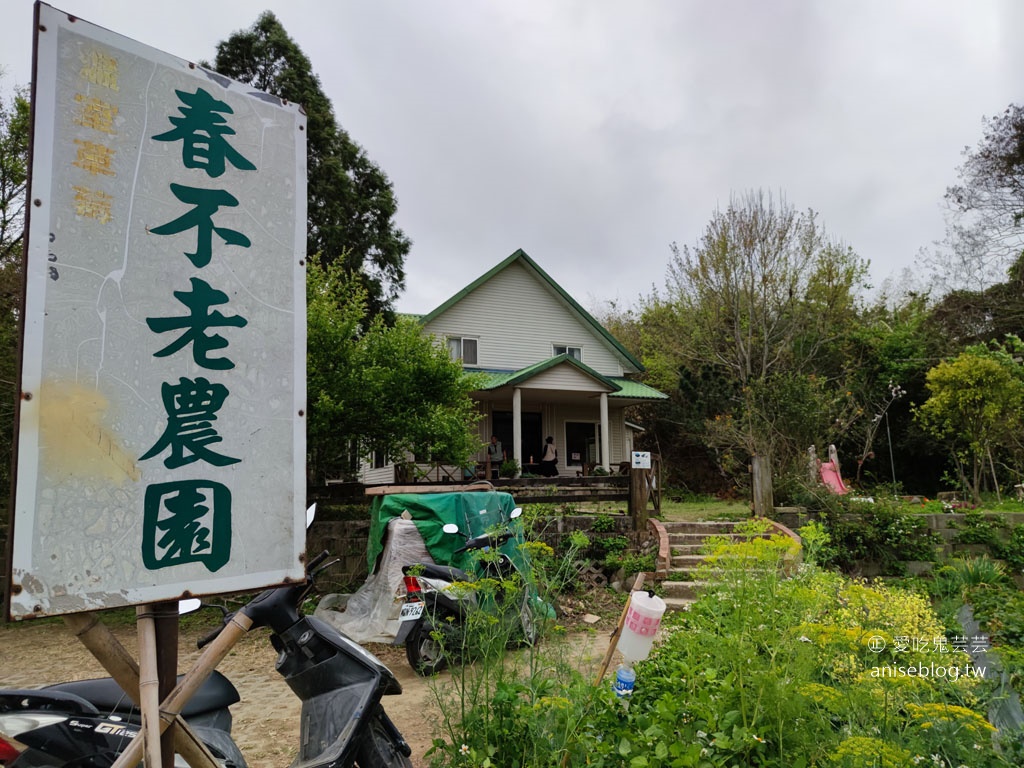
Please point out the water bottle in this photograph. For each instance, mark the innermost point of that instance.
(625, 679)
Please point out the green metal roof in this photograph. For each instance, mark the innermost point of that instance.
(636, 390)
(521, 256)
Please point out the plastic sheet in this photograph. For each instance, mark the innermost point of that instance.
(371, 615)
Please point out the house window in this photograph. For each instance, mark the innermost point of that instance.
(378, 460)
(461, 348)
(575, 352)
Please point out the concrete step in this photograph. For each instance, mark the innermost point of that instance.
(678, 603)
(687, 541)
(686, 562)
(686, 549)
(706, 528)
(686, 590)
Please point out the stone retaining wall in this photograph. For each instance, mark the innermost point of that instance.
(945, 525)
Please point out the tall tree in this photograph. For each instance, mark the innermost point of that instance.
(972, 317)
(765, 289)
(757, 305)
(351, 205)
(988, 231)
(379, 389)
(974, 407)
(14, 132)
(14, 127)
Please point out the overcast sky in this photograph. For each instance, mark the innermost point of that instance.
(594, 133)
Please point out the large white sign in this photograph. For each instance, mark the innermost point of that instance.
(161, 447)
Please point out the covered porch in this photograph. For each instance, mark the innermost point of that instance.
(584, 411)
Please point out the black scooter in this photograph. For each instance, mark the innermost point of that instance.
(90, 722)
(433, 616)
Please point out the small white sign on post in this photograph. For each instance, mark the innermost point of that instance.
(641, 460)
(161, 440)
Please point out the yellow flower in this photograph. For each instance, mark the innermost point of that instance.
(866, 752)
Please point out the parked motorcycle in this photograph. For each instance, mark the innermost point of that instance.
(439, 600)
(89, 723)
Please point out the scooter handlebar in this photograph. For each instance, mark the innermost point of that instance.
(276, 607)
(206, 639)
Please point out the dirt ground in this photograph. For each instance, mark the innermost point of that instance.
(266, 721)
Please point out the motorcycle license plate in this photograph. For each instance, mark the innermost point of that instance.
(411, 611)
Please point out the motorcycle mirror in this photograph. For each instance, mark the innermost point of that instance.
(515, 513)
(189, 605)
(450, 528)
(310, 514)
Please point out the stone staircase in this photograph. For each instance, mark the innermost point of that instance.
(685, 541)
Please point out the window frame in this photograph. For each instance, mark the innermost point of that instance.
(462, 348)
(567, 350)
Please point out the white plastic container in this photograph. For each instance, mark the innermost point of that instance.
(642, 621)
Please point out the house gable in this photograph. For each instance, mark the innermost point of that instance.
(518, 315)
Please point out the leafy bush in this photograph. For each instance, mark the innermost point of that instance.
(978, 528)
(880, 533)
(603, 524)
(1012, 551)
(816, 543)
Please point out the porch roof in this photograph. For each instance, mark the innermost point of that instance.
(618, 386)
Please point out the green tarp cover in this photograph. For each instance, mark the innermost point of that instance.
(473, 511)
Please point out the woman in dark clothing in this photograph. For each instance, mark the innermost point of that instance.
(549, 459)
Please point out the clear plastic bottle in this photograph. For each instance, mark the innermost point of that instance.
(625, 679)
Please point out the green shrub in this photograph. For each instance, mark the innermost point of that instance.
(977, 528)
(815, 541)
(1012, 551)
(879, 532)
(603, 524)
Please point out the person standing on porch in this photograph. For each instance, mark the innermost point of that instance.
(495, 455)
(549, 460)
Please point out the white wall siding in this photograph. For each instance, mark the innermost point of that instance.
(517, 319)
(383, 476)
(564, 377)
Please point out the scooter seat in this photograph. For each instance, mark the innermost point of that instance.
(434, 571)
(216, 692)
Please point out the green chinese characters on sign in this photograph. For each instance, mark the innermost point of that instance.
(196, 323)
(207, 202)
(187, 521)
(191, 408)
(202, 129)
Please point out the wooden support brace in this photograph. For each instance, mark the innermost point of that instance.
(170, 708)
(149, 684)
(120, 665)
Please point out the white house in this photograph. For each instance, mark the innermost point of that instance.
(551, 370)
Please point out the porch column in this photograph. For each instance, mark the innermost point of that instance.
(517, 426)
(605, 440)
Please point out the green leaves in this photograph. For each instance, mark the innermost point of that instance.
(974, 406)
(378, 388)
